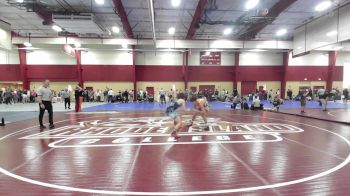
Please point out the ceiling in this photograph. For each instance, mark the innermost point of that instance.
(217, 16)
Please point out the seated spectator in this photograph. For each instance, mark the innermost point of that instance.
(276, 103)
(256, 104)
(236, 100)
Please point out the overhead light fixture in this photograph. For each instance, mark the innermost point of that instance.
(251, 4)
(176, 3)
(281, 32)
(338, 48)
(227, 31)
(171, 30)
(19, 1)
(27, 44)
(77, 44)
(124, 45)
(323, 6)
(100, 2)
(56, 28)
(257, 50)
(115, 29)
(332, 33)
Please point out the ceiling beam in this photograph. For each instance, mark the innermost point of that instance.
(196, 18)
(274, 12)
(123, 17)
(43, 14)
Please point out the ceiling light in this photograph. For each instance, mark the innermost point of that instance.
(77, 44)
(56, 28)
(171, 30)
(332, 33)
(99, 2)
(19, 1)
(323, 6)
(227, 31)
(251, 4)
(338, 48)
(124, 45)
(257, 50)
(115, 29)
(176, 3)
(281, 32)
(27, 44)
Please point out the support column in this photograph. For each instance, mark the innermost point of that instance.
(235, 71)
(284, 74)
(134, 72)
(332, 57)
(79, 68)
(24, 68)
(185, 68)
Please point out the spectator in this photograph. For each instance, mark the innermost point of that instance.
(110, 96)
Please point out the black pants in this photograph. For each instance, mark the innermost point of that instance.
(48, 107)
(66, 101)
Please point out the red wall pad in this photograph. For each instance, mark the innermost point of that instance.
(52, 72)
(210, 73)
(159, 73)
(260, 73)
(313, 73)
(108, 73)
(10, 73)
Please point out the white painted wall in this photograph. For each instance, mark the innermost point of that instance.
(227, 58)
(261, 58)
(49, 57)
(343, 58)
(9, 56)
(315, 58)
(106, 57)
(159, 58)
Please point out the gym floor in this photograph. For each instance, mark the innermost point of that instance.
(129, 152)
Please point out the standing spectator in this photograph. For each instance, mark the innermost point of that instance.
(126, 96)
(346, 95)
(91, 95)
(324, 100)
(162, 96)
(45, 103)
(303, 96)
(290, 94)
(131, 94)
(98, 95)
(110, 95)
(66, 96)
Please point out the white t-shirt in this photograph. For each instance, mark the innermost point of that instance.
(110, 92)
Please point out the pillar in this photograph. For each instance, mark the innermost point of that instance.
(23, 67)
(235, 70)
(284, 74)
(79, 68)
(332, 57)
(134, 72)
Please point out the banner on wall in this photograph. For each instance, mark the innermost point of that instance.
(210, 58)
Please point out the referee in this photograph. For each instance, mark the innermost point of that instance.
(45, 103)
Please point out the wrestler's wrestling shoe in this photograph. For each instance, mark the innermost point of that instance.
(175, 135)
